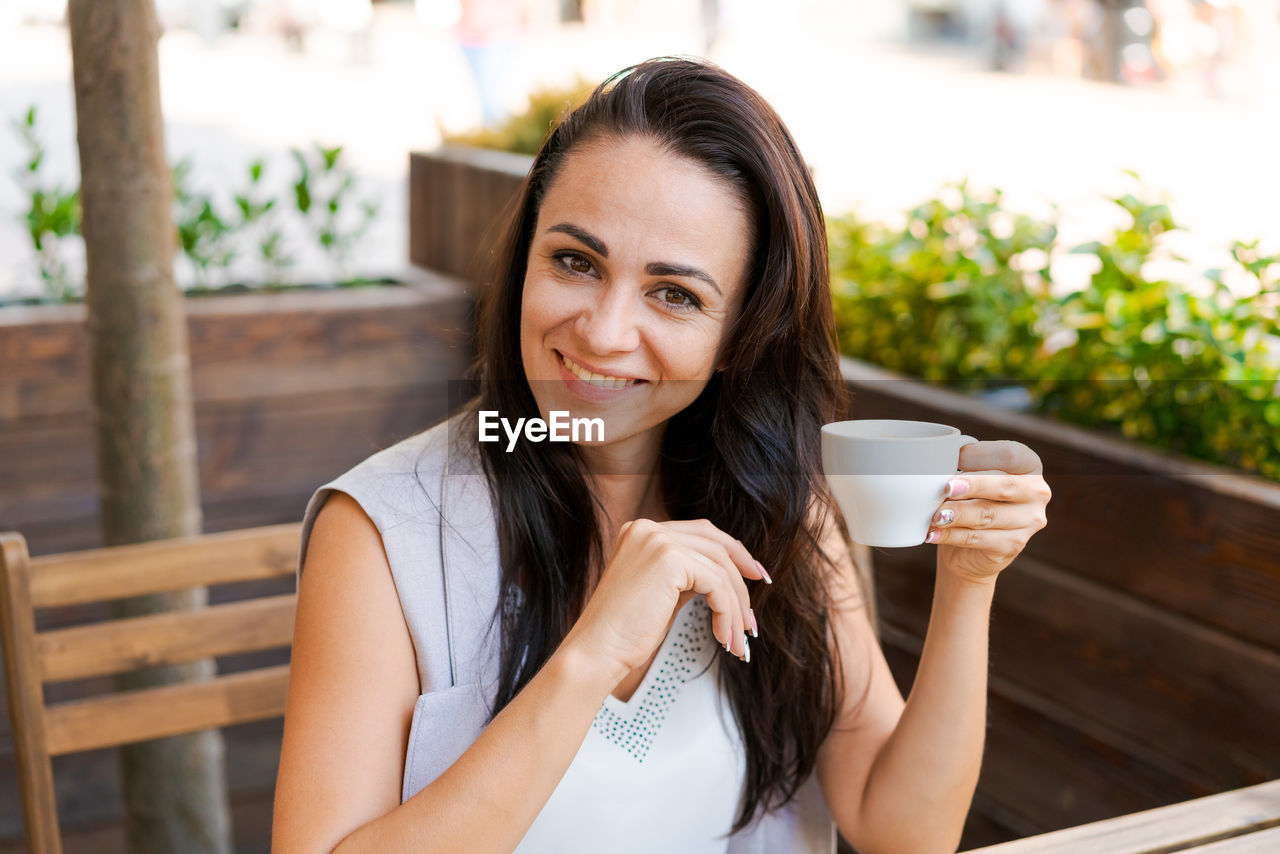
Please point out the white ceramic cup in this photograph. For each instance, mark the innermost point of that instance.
(889, 477)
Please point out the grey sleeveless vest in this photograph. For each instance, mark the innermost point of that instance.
(430, 501)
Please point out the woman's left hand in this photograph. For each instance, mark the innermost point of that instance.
(991, 511)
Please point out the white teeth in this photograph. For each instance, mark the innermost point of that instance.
(598, 380)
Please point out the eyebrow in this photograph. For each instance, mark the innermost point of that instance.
(655, 268)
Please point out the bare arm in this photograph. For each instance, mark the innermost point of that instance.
(353, 685)
(921, 785)
(488, 799)
(915, 794)
(900, 778)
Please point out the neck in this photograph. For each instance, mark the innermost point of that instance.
(624, 477)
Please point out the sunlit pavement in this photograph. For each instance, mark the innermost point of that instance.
(884, 126)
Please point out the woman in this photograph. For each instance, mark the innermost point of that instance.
(665, 272)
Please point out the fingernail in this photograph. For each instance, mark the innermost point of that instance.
(767, 579)
(746, 646)
(957, 487)
(751, 618)
(726, 645)
(932, 537)
(945, 517)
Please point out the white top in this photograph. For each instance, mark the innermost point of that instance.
(661, 772)
(433, 508)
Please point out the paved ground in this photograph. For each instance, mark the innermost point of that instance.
(883, 125)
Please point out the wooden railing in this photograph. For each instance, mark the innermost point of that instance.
(1245, 821)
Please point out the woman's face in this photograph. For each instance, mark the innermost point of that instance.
(636, 270)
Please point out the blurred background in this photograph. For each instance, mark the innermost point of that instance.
(888, 99)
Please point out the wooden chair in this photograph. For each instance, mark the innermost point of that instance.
(34, 658)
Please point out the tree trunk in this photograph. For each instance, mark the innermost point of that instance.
(1112, 41)
(174, 788)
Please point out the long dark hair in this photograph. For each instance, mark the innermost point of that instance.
(747, 449)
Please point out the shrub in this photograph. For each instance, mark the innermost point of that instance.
(962, 294)
(946, 298)
(525, 132)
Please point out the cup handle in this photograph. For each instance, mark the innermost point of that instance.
(965, 440)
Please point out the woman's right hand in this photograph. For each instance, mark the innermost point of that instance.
(652, 564)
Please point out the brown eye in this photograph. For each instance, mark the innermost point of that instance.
(578, 264)
(680, 298)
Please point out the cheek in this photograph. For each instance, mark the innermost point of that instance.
(535, 310)
(689, 352)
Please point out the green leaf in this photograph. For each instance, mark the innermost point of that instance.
(300, 160)
(302, 195)
(330, 156)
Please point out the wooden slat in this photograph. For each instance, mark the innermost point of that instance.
(457, 197)
(169, 710)
(1040, 770)
(117, 646)
(1262, 842)
(22, 679)
(1198, 703)
(1177, 827)
(290, 343)
(1198, 539)
(125, 571)
(247, 452)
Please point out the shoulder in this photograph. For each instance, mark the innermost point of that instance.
(401, 484)
(448, 446)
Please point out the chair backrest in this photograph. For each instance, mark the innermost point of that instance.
(32, 659)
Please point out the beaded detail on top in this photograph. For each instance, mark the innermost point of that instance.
(635, 724)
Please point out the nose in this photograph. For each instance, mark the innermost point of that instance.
(609, 324)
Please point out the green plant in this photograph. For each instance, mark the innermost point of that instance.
(205, 236)
(259, 215)
(954, 295)
(962, 294)
(524, 132)
(211, 236)
(1198, 373)
(322, 193)
(52, 215)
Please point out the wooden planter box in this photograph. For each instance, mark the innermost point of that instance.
(1135, 648)
(459, 199)
(291, 389)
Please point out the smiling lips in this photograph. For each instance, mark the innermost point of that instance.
(597, 380)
